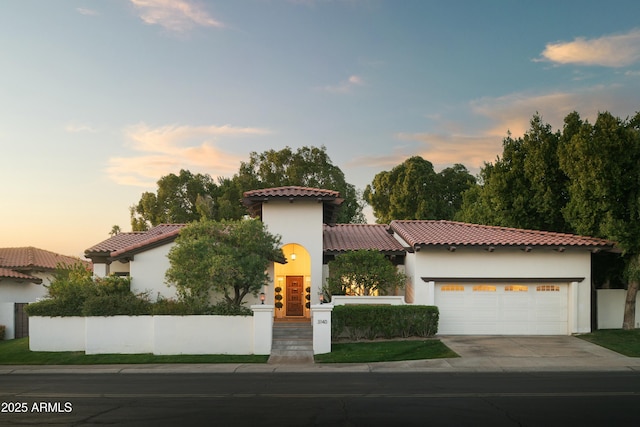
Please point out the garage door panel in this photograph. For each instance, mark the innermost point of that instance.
(509, 310)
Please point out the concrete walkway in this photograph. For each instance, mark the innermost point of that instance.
(477, 354)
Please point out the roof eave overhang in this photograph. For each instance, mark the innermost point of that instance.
(502, 279)
(452, 247)
(125, 255)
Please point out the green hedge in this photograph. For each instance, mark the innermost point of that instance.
(127, 304)
(357, 322)
(55, 308)
(116, 305)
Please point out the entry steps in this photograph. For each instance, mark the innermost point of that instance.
(292, 342)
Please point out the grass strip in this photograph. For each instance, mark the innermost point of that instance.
(618, 340)
(16, 352)
(385, 351)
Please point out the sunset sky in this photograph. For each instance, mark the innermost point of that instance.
(99, 99)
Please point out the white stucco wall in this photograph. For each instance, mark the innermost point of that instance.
(56, 333)
(301, 223)
(508, 263)
(119, 334)
(147, 272)
(203, 335)
(611, 308)
(156, 334)
(12, 292)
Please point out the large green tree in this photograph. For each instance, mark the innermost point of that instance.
(413, 190)
(181, 198)
(307, 167)
(525, 187)
(188, 197)
(602, 161)
(228, 258)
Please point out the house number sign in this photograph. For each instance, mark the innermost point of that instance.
(322, 321)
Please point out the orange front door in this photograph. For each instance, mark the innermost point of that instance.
(295, 296)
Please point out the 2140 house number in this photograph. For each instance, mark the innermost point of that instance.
(35, 407)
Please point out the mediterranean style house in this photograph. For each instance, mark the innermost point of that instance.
(484, 279)
(24, 275)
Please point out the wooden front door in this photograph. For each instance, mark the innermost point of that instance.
(295, 296)
(21, 320)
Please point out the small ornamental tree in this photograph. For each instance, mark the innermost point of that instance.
(363, 272)
(225, 257)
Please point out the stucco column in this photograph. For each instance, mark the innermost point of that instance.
(101, 269)
(574, 309)
(423, 293)
(262, 328)
(321, 321)
(431, 293)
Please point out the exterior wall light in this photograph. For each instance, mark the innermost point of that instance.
(262, 296)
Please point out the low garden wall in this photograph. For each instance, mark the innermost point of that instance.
(57, 333)
(154, 334)
(611, 308)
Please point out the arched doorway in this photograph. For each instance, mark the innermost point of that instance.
(293, 283)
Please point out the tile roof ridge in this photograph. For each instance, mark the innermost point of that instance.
(495, 227)
(291, 187)
(525, 230)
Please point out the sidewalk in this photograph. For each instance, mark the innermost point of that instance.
(477, 354)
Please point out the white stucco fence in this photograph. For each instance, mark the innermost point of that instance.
(611, 308)
(57, 333)
(155, 334)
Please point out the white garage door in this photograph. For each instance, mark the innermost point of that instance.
(502, 309)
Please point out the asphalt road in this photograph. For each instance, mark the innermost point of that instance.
(322, 399)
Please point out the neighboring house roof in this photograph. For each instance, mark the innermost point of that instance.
(419, 233)
(353, 237)
(17, 263)
(330, 199)
(5, 273)
(124, 245)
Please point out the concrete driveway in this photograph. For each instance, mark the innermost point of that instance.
(534, 352)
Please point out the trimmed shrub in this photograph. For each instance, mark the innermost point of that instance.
(54, 308)
(226, 309)
(357, 322)
(119, 304)
(2, 331)
(171, 307)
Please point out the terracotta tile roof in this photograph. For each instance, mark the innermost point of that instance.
(16, 263)
(351, 237)
(30, 258)
(330, 199)
(450, 233)
(11, 274)
(291, 191)
(125, 243)
(119, 241)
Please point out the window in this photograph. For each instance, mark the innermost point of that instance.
(516, 288)
(484, 288)
(452, 288)
(548, 288)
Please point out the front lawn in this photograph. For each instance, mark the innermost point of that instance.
(16, 352)
(385, 351)
(618, 340)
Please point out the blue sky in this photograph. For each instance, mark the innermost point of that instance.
(99, 99)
